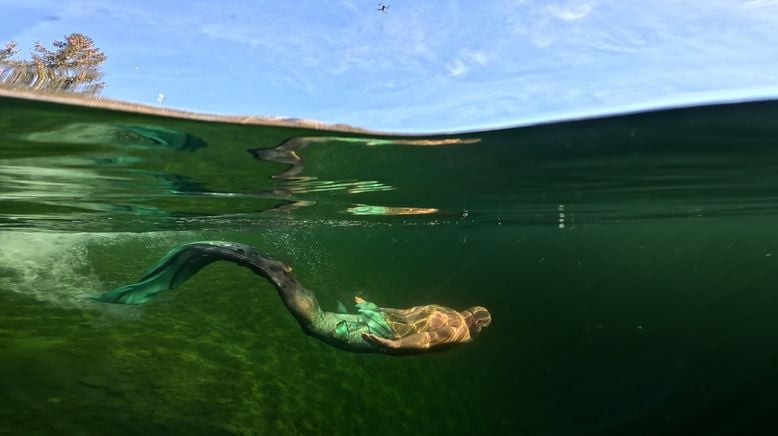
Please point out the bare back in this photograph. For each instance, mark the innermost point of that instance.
(422, 327)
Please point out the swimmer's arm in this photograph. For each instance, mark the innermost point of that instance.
(405, 315)
(415, 312)
(399, 312)
(418, 341)
(414, 315)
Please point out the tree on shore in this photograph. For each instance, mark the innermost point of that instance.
(7, 52)
(70, 65)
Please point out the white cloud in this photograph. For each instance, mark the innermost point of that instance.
(349, 39)
(758, 3)
(540, 24)
(475, 56)
(570, 11)
(457, 68)
(465, 62)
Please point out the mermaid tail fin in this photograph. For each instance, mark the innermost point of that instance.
(185, 261)
(168, 273)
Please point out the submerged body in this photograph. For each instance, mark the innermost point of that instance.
(372, 329)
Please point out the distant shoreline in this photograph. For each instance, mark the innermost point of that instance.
(75, 99)
(118, 105)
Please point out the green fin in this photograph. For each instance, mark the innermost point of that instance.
(341, 307)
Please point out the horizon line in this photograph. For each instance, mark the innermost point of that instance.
(81, 100)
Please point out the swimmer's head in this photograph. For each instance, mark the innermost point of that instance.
(477, 317)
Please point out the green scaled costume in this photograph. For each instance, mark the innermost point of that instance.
(370, 320)
(375, 319)
(342, 330)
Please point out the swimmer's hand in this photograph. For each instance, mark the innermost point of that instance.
(381, 342)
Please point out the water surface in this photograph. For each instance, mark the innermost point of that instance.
(629, 263)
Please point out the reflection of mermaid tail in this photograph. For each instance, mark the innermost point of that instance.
(185, 261)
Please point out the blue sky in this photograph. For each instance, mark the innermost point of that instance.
(426, 65)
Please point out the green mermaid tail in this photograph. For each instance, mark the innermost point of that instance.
(175, 268)
(342, 330)
(185, 261)
(168, 273)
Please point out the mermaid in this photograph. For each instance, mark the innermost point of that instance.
(372, 329)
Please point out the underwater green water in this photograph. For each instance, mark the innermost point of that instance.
(629, 264)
